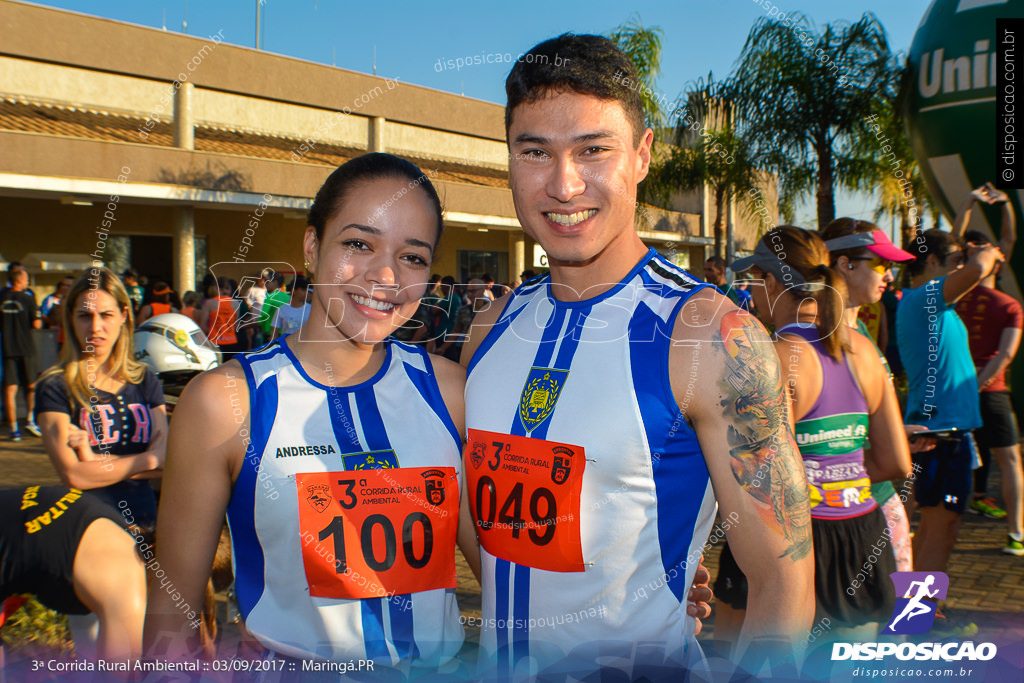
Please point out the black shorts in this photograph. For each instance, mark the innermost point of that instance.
(133, 499)
(999, 421)
(853, 559)
(731, 583)
(20, 371)
(852, 562)
(38, 544)
(944, 475)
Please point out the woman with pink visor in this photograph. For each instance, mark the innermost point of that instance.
(863, 256)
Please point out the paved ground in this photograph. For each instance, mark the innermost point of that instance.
(986, 586)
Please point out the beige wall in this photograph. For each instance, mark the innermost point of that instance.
(111, 66)
(437, 144)
(85, 87)
(118, 48)
(40, 155)
(91, 89)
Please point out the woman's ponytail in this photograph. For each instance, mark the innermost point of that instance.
(831, 307)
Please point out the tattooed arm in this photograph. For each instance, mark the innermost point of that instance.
(741, 418)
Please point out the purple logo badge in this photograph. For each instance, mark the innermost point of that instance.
(914, 613)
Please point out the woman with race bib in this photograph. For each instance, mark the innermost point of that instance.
(841, 396)
(336, 454)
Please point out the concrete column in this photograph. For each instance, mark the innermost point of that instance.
(516, 254)
(184, 252)
(184, 129)
(528, 244)
(698, 256)
(376, 141)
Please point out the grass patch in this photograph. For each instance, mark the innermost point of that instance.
(37, 631)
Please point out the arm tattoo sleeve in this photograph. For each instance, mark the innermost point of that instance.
(764, 457)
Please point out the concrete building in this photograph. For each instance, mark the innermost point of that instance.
(179, 155)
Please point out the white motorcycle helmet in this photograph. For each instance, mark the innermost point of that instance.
(172, 343)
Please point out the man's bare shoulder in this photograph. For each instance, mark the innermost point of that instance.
(719, 345)
(700, 317)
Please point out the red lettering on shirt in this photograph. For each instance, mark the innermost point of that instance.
(142, 422)
(107, 413)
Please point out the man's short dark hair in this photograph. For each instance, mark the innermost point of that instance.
(716, 261)
(934, 241)
(583, 64)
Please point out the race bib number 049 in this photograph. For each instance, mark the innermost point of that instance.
(371, 533)
(525, 498)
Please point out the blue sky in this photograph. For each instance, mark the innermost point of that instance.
(409, 38)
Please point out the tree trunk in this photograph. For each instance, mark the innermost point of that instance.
(826, 178)
(907, 230)
(730, 228)
(719, 209)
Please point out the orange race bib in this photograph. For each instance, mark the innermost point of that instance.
(372, 533)
(525, 498)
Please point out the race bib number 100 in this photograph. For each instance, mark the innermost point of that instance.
(525, 498)
(371, 533)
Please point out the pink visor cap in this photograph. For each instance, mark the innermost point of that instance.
(876, 241)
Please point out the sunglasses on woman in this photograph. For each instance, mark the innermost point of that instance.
(875, 263)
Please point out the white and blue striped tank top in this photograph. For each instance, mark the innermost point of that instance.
(395, 419)
(646, 504)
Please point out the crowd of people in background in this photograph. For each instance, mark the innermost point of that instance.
(947, 336)
(236, 318)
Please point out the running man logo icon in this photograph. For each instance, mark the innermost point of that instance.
(914, 613)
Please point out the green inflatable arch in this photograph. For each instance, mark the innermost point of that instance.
(951, 118)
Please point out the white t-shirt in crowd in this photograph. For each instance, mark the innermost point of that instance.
(288, 318)
(255, 299)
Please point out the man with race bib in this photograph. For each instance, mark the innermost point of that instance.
(611, 403)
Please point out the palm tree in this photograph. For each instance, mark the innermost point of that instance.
(803, 95)
(894, 174)
(709, 151)
(643, 47)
